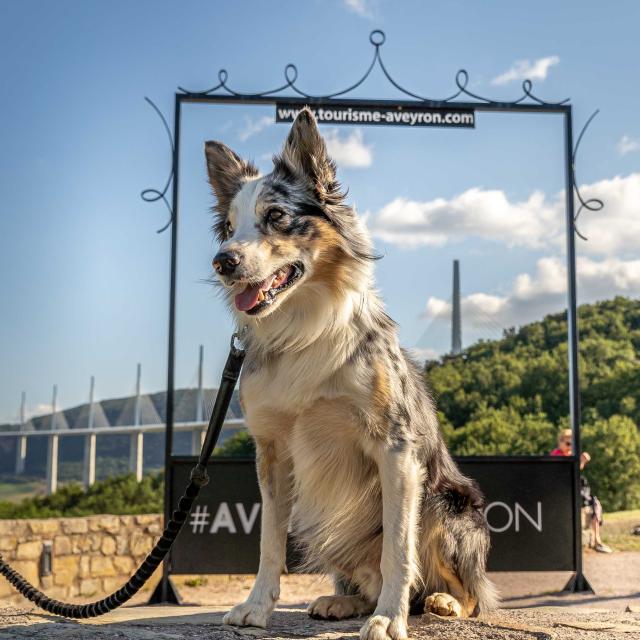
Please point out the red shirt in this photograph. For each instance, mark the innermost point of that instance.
(559, 452)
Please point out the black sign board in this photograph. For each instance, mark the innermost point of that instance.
(384, 114)
(529, 510)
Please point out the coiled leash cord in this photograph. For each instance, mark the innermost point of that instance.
(199, 478)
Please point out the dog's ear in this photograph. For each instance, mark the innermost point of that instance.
(227, 171)
(306, 152)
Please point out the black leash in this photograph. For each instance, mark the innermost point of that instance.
(199, 478)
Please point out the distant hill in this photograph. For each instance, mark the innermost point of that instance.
(511, 395)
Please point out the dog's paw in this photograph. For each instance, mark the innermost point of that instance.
(248, 614)
(382, 628)
(338, 607)
(443, 604)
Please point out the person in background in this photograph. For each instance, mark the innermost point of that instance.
(591, 507)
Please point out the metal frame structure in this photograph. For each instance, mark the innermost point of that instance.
(461, 99)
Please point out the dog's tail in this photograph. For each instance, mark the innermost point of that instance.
(457, 547)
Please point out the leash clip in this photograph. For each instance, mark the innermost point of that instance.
(237, 337)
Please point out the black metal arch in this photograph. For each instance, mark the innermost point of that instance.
(377, 38)
(462, 98)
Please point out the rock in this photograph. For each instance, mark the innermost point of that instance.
(140, 544)
(65, 570)
(8, 543)
(146, 519)
(29, 550)
(123, 564)
(28, 569)
(101, 567)
(80, 544)
(108, 546)
(74, 525)
(62, 545)
(47, 527)
(96, 541)
(122, 545)
(111, 524)
(7, 527)
(109, 585)
(84, 570)
(89, 587)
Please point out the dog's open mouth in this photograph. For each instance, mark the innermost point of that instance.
(256, 297)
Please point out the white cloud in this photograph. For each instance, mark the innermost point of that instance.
(361, 7)
(534, 295)
(526, 69)
(477, 212)
(253, 126)
(349, 151)
(627, 144)
(537, 222)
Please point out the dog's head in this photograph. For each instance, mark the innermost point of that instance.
(285, 234)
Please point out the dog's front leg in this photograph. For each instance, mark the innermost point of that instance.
(274, 478)
(400, 481)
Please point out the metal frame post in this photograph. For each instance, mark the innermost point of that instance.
(165, 592)
(578, 581)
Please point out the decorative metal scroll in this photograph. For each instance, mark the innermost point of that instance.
(153, 195)
(591, 204)
(377, 39)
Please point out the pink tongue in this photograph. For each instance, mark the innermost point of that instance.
(249, 297)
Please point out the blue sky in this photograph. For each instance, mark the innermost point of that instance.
(84, 282)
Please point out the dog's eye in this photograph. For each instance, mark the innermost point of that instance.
(228, 229)
(273, 215)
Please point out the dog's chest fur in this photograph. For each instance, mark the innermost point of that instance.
(315, 406)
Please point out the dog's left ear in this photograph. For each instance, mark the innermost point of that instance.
(306, 152)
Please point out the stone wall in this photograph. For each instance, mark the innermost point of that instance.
(92, 556)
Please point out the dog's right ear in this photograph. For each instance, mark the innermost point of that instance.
(227, 172)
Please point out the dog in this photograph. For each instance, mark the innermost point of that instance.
(348, 446)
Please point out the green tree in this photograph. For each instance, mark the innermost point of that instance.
(614, 470)
(240, 444)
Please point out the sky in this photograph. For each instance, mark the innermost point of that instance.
(84, 275)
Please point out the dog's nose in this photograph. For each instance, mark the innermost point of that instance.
(226, 262)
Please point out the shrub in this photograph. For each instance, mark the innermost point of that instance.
(121, 495)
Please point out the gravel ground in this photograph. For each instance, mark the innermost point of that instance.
(531, 608)
(166, 623)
